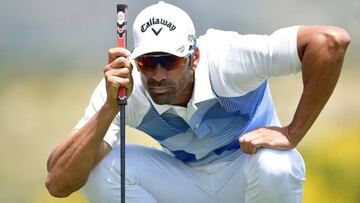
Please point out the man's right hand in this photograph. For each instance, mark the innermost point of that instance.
(117, 74)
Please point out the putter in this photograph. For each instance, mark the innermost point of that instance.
(121, 97)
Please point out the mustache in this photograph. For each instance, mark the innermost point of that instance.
(161, 83)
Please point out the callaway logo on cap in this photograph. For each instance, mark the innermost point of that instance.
(163, 27)
(157, 21)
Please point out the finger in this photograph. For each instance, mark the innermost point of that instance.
(252, 135)
(246, 145)
(123, 72)
(257, 143)
(251, 141)
(116, 82)
(114, 53)
(248, 149)
(121, 62)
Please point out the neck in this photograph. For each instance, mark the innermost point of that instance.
(185, 96)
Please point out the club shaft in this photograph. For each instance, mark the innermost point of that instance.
(122, 95)
(122, 151)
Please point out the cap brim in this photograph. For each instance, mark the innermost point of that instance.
(177, 50)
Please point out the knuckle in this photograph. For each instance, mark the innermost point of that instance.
(126, 71)
(245, 140)
(114, 82)
(109, 80)
(128, 64)
(124, 81)
(107, 68)
(107, 74)
(123, 60)
(111, 51)
(253, 144)
(118, 62)
(128, 81)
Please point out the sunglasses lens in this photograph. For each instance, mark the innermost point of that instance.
(172, 62)
(145, 63)
(148, 63)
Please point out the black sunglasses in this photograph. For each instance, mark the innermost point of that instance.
(148, 63)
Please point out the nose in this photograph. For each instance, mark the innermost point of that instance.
(159, 72)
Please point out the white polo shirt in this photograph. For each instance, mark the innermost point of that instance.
(231, 96)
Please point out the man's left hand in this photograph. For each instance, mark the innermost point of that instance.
(269, 137)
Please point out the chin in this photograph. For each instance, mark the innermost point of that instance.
(161, 99)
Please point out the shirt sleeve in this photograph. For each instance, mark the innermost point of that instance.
(97, 100)
(239, 64)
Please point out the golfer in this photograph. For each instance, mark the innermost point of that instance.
(207, 101)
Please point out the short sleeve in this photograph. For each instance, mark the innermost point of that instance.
(239, 64)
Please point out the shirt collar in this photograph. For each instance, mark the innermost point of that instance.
(202, 90)
(159, 108)
(202, 87)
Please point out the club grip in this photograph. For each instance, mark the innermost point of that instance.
(122, 42)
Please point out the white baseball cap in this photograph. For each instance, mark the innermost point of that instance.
(163, 27)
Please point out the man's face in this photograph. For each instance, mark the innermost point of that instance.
(167, 78)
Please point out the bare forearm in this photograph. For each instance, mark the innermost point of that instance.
(71, 162)
(321, 50)
(322, 59)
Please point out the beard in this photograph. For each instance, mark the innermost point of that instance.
(175, 90)
(162, 92)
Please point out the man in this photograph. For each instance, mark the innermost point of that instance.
(207, 102)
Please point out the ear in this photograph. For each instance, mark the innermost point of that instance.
(195, 58)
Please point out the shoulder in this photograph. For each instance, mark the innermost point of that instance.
(330, 36)
(229, 58)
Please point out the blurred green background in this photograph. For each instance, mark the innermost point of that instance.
(51, 59)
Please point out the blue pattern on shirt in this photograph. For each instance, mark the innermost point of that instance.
(214, 128)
